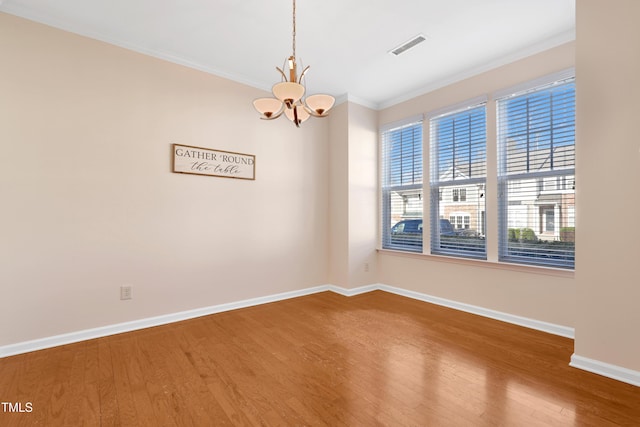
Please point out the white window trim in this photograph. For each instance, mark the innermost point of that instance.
(469, 104)
(400, 123)
(457, 107)
(534, 84)
(491, 197)
(415, 119)
(502, 180)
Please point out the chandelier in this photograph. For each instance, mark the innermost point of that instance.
(289, 94)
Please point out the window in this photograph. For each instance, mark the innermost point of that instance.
(458, 167)
(533, 203)
(459, 195)
(536, 176)
(401, 182)
(459, 221)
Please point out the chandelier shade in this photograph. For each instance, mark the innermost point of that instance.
(319, 105)
(289, 94)
(297, 113)
(269, 108)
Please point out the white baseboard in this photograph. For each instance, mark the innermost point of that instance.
(352, 292)
(87, 334)
(563, 331)
(606, 370)
(601, 368)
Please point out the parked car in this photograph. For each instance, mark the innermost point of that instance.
(466, 232)
(446, 229)
(409, 231)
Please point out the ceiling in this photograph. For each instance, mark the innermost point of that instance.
(346, 42)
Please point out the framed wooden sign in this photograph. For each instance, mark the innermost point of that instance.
(204, 161)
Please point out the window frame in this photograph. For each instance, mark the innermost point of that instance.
(524, 251)
(387, 188)
(488, 224)
(458, 245)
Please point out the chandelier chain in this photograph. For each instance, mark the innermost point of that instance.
(294, 29)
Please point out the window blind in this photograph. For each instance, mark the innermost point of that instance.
(458, 179)
(401, 182)
(536, 142)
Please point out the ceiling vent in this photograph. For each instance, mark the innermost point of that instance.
(408, 45)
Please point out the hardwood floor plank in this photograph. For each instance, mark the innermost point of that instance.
(109, 411)
(325, 360)
(122, 357)
(189, 383)
(81, 402)
(90, 392)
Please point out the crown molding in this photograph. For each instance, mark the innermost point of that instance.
(547, 44)
(24, 13)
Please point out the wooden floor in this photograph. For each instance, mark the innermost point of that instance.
(369, 360)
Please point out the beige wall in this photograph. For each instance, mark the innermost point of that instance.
(353, 195)
(339, 195)
(548, 297)
(607, 177)
(89, 202)
(363, 195)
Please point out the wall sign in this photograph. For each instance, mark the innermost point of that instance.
(203, 161)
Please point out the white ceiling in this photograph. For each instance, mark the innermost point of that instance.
(346, 42)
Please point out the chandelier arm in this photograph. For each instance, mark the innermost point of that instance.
(313, 113)
(284, 76)
(275, 116)
(295, 115)
(302, 74)
(309, 110)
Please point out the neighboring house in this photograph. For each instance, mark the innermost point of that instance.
(462, 205)
(406, 205)
(546, 205)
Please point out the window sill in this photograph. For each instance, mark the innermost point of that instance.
(522, 268)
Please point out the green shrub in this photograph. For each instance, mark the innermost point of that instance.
(522, 235)
(528, 235)
(568, 234)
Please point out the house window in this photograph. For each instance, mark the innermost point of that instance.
(536, 145)
(458, 166)
(401, 183)
(460, 221)
(459, 195)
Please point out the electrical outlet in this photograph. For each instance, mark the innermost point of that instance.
(366, 267)
(125, 292)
